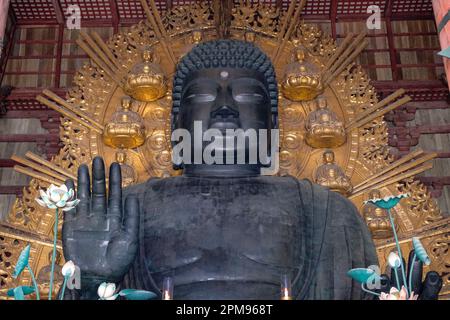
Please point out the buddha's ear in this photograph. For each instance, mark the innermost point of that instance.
(274, 120)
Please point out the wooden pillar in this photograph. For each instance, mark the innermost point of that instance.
(4, 6)
(441, 10)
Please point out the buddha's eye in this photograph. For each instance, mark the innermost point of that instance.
(248, 97)
(200, 97)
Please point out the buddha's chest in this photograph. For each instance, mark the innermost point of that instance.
(223, 226)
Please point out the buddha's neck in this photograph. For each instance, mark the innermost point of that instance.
(224, 171)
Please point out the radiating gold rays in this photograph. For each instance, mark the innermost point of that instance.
(285, 33)
(345, 54)
(15, 232)
(155, 20)
(378, 110)
(101, 55)
(41, 169)
(406, 167)
(70, 111)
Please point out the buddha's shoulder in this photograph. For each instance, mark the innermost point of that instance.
(339, 210)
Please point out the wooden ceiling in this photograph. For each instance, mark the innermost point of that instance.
(125, 12)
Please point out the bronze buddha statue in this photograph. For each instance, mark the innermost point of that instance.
(220, 231)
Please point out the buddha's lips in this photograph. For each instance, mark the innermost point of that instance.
(224, 124)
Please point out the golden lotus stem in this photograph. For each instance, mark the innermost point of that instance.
(38, 175)
(379, 113)
(72, 116)
(98, 61)
(38, 167)
(395, 179)
(10, 231)
(105, 49)
(337, 54)
(68, 106)
(50, 165)
(346, 62)
(377, 106)
(399, 170)
(390, 167)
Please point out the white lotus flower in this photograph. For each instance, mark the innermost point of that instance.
(394, 294)
(394, 260)
(68, 269)
(58, 197)
(106, 291)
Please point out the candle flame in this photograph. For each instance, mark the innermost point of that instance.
(167, 295)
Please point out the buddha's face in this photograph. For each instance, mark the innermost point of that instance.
(328, 157)
(225, 98)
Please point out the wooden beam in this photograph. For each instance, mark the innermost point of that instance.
(58, 12)
(11, 190)
(7, 163)
(58, 62)
(115, 15)
(333, 17)
(28, 137)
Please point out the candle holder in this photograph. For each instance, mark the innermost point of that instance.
(286, 288)
(167, 293)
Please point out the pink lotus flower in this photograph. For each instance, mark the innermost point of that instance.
(394, 294)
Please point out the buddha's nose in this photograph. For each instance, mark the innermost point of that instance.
(224, 112)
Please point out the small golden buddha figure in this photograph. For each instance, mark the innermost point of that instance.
(43, 277)
(377, 219)
(302, 79)
(126, 129)
(128, 173)
(330, 175)
(250, 37)
(323, 128)
(196, 37)
(146, 81)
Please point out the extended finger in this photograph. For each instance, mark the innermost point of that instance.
(431, 286)
(98, 186)
(415, 278)
(131, 217)
(83, 190)
(115, 196)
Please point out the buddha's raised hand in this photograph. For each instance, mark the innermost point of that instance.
(99, 235)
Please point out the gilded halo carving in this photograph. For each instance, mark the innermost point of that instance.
(348, 94)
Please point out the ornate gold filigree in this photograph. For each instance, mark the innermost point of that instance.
(363, 154)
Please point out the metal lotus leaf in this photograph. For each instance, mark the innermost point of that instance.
(362, 275)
